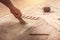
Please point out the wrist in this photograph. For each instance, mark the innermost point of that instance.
(11, 7)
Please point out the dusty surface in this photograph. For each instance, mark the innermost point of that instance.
(38, 27)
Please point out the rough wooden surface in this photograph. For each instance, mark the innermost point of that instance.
(37, 23)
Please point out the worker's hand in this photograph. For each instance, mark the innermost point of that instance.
(16, 12)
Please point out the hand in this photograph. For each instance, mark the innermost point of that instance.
(17, 14)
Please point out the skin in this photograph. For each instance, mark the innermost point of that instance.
(16, 12)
